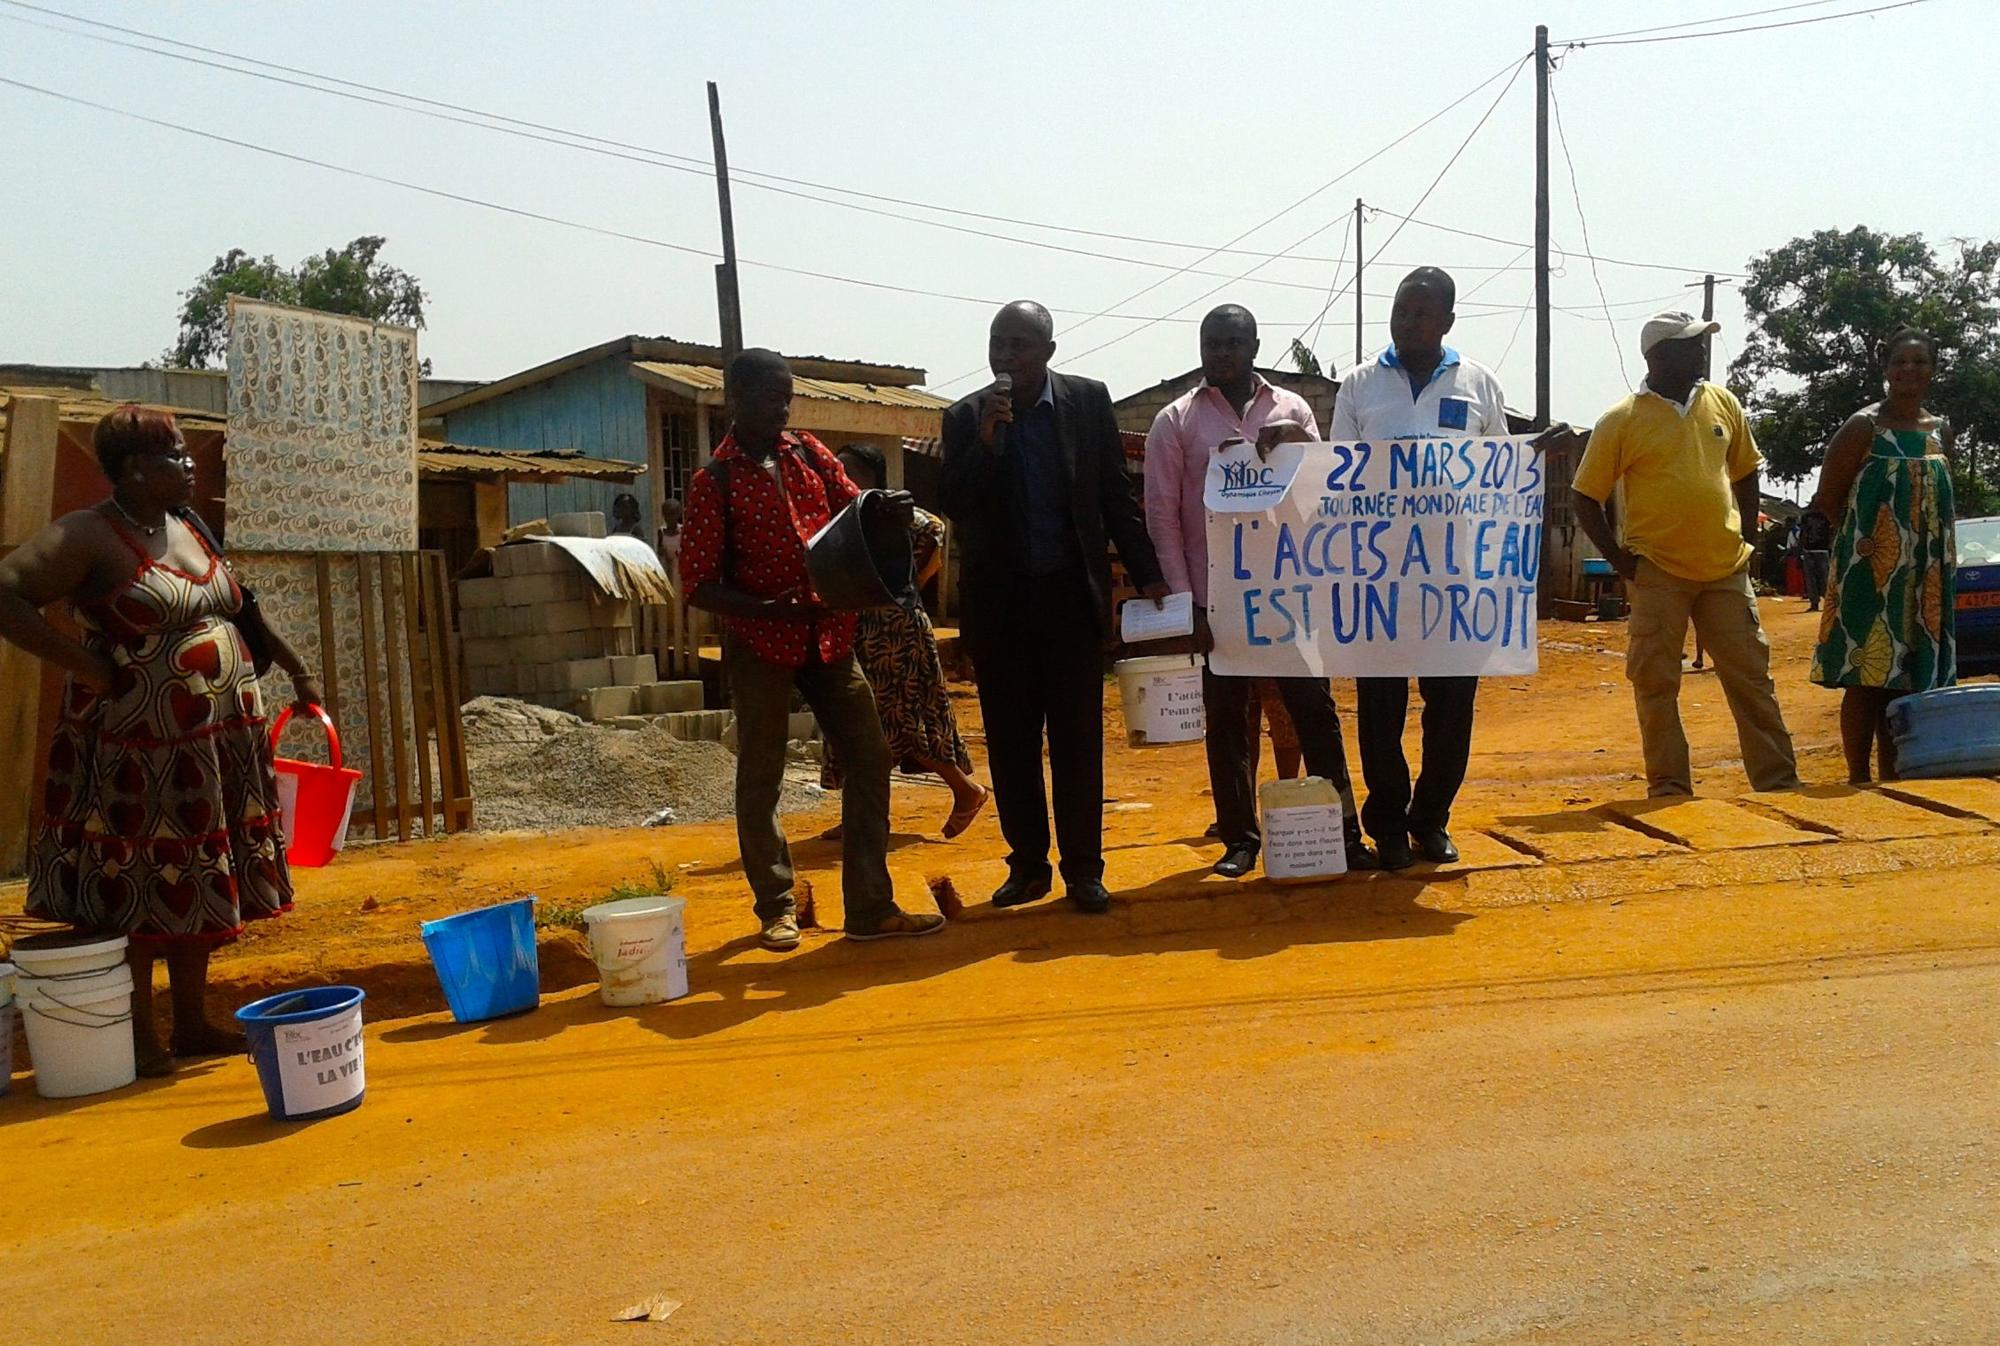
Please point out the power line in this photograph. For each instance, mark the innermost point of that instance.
(1583, 223)
(1267, 220)
(1463, 145)
(523, 213)
(1732, 32)
(1518, 67)
(1703, 23)
(1333, 287)
(1517, 243)
(627, 151)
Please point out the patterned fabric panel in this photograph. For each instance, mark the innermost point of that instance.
(322, 450)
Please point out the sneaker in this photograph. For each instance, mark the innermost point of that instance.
(900, 924)
(780, 934)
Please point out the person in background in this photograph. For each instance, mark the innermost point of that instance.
(1815, 555)
(1034, 478)
(1417, 387)
(1234, 404)
(751, 512)
(1683, 449)
(1887, 627)
(160, 816)
(625, 520)
(899, 656)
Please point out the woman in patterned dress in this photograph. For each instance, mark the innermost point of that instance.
(1886, 628)
(160, 815)
(899, 654)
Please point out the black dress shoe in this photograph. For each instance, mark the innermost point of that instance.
(1093, 899)
(1434, 844)
(1394, 852)
(1237, 861)
(1360, 858)
(1019, 890)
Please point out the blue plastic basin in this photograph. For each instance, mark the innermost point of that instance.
(486, 960)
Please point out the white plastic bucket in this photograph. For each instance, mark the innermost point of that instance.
(80, 1032)
(54, 956)
(640, 944)
(1305, 835)
(6, 1027)
(1161, 697)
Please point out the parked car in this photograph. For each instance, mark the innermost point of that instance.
(1978, 596)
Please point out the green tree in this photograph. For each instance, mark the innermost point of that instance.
(1820, 306)
(1303, 359)
(350, 280)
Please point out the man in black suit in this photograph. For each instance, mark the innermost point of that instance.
(1034, 478)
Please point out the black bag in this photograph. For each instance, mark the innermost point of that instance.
(249, 619)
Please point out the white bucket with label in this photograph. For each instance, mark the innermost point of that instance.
(1161, 697)
(640, 945)
(1305, 835)
(79, 1031)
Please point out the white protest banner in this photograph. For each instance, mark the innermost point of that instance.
(1397, 558)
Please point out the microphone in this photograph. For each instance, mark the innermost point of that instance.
(1003, 384)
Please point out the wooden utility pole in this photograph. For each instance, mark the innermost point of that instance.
(1358, 353)
(1542, 333)
(728, 301)
(1708, 315)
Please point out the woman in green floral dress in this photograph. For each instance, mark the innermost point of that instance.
(1886, 629)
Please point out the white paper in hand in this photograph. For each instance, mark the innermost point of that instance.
(1141, 621)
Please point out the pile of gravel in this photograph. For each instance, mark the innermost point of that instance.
(539, 769)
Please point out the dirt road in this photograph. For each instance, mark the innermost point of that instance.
(1720, 1075)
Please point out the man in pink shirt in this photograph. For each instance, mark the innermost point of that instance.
(1234, 402)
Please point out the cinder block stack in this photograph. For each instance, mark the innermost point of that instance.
(539, 630)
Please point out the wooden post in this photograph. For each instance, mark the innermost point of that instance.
(1708, 315)
(422, 699)
(729, 302)
(371, 653)
(27, 496)
(458, 798)
(1543, 409)
(329, 660)
(385, 566)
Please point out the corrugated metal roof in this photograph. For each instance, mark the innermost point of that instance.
(436, 459)
(78, 405)
(707, 379)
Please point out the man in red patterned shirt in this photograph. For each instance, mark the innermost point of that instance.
(750, 513)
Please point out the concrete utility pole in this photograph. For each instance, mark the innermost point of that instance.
(728, 302)
(1359, 354)
(1542, 334)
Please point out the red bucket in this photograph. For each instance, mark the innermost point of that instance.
(315, 801)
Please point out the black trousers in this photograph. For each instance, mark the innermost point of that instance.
(1040, 671)
(1234, 745)
(1381, 706)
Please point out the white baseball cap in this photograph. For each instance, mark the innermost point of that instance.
(1672, 325)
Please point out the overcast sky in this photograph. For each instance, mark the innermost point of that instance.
(1178, 122)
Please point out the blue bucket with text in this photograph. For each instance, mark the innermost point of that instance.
(307, 1046)
(486, 960)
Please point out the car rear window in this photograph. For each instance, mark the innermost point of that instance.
(1978, 541)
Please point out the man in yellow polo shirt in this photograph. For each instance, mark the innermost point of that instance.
(1682, 449)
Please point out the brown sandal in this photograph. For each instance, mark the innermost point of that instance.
(961, 819)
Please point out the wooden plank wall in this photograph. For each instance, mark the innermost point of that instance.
(27, 489)
(407, 682)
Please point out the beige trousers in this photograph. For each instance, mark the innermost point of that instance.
(1724, 613)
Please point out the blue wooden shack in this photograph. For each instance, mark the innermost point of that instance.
(658, 402)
